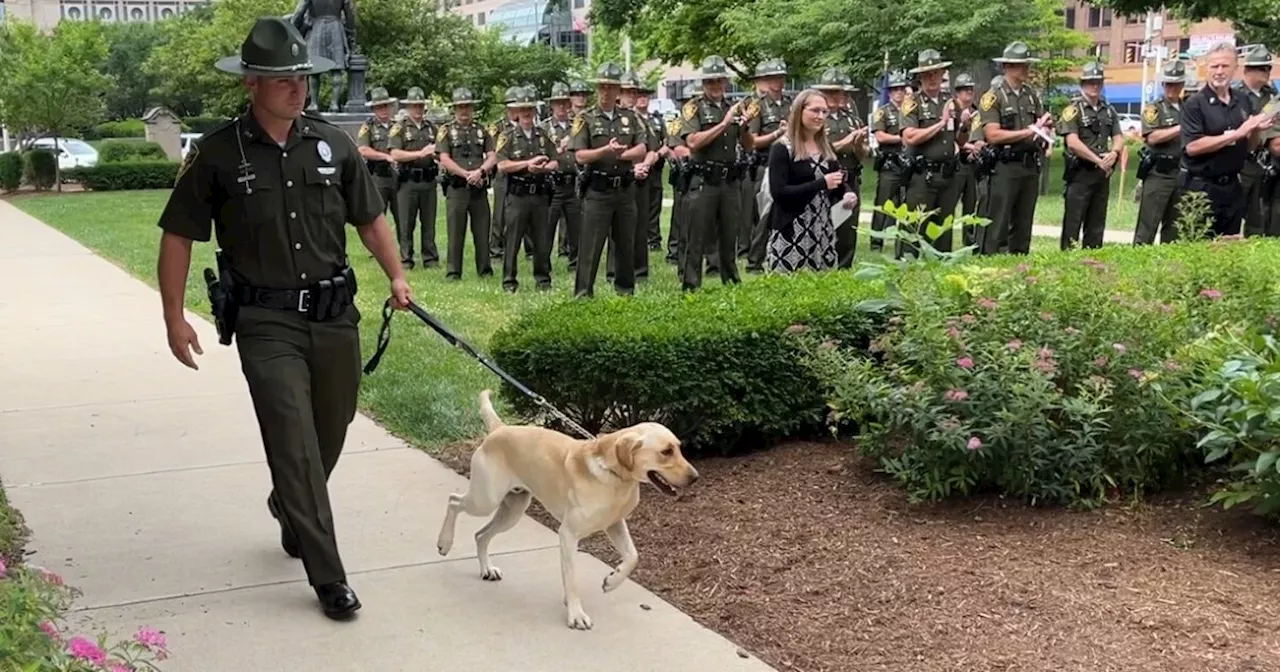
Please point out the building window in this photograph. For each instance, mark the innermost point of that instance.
(579, 4)
(1095, 17)
(1184, 45)
(480, 19)
(1133, 52)
(1071, 17)
(1106, 17)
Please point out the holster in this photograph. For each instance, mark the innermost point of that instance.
(222, 301)
(1146, 161)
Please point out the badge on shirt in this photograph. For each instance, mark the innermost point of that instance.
(325, 152)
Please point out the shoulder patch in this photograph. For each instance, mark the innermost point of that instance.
(1070, 112)
(908, 106)
(673, 127)
(689, 111)
(988, 101)
(879, 116)
(579, 123)
(1150, 114)
(753, 109)
(975, 124)
(395, 130)
(187, 161)
(502, 141)
(441, 133)
(364, 130)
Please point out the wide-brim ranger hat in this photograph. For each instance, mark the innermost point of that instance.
(1174, 72)
(379, 96)
(713, 67)
(608, 73)
(1016, 52)
(525, 97)
(416, 96)
(1257, 56)
(463, 96)
(1092, 72)
(929, 59)
(274, 48)
(833, 79)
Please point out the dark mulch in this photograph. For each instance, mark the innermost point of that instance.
(813, 562)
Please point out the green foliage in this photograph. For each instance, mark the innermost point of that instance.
(129, 174)
(1036, 381)
(719, 367)
(129, 43)
(115, 151)
(10, 171)
(40, 168)
(1195, 215)
(125, 128)
(52, 82)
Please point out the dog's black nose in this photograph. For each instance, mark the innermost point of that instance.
(693, 476)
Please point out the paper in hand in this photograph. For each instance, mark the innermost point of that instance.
(840, 214)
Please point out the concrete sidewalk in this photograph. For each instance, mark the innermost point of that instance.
(144, 484)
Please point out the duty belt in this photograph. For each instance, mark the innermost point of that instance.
(524, 186)
(321, 301)
(714, 173)
(1164, 163)
(419, 174)
(379, 168)
(600, 182)
(944, 167)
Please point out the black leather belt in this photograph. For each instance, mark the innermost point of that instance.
(607, 182)
(323, 300)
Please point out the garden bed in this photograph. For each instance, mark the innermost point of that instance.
(808, 559)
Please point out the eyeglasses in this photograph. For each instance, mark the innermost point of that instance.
(820, 111)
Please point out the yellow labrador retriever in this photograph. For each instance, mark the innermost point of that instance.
(589, 486)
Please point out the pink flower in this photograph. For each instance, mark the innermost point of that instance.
(3, 569)
(1071, 331)
(1119, 348)
(1211, 294)
(956, 395)
(1014, 345)
(1171, 365)
(120, 667)
(965, 363)
(1045, 353)
(1101, 361)
(953, 333)
(1136, 374)
(974, 443)
(1031, 279)
(988, 304)
(86, 650)
(49, 629)
(150, 638)
(1046, 366)
(968, 319)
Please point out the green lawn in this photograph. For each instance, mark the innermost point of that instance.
(424, 390)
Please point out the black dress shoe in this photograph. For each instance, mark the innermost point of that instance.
(287, 541)
(338, 600)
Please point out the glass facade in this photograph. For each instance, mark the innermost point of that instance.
(545, 21)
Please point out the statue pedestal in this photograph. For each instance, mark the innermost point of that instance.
(357, 66)
(348, 122)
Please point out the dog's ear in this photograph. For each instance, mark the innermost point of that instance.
(624, 449)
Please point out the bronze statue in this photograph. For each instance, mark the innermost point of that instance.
(330, 29)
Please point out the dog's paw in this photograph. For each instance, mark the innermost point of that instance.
(578, 620)
(612, 581)
(491, 574)
(444, 546)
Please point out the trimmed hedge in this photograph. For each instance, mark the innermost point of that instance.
(717, 366)
(40, 168)
(127, 175)
(116, 151)
(124, 128)
(10, 171)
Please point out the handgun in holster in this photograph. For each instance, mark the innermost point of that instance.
(1146, 161)
(222, 301)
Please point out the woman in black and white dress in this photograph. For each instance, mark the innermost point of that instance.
(805, 181)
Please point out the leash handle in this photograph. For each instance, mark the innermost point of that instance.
(384, 340)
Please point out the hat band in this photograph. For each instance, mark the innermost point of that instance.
(276, 68)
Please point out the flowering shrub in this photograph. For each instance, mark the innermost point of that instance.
(1036, 379)
(33, 639)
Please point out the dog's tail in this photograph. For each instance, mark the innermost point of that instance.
(491, 419)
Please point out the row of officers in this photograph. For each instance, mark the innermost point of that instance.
(593, 173)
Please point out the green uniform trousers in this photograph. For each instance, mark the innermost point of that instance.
(607, 214)
(1255, 218)
(497, 227)
(750, 212)
(417, 201)
(304, 378)
(461, 204)
(527, 216)
(655, 207)
(675, 234)
(1013, 193)
(758, 239)
(566, 215)
(931, 191)
(714, 210)
(1086, 208)
(639, 235)
(847, 233)
(889, 187)
(1158, 209)
(967, 176)
(387, 188)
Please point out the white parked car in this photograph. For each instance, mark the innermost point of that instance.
(72, 153)
(1130, 122)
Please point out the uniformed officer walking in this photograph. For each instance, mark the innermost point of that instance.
(1091, 129)
(566, 208)
(766, 124)
(282, 185)
(607, 141)
(929, 129)
(466, 152)
(848, 135)
(891, 162)
(373, 139)
(527, 156)
(1255, 87)
(713, 130)
(413, 146)
(1158, 167)
(1014, 123)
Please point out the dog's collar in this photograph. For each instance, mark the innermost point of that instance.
(598, 466)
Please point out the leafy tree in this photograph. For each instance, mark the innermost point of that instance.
(493, 63)
(52, 84)
(1255, 21)
(608, 45)
(128, 47)
(411, 44)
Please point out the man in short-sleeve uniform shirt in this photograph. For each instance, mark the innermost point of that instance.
(1218, 135)
(413, 146)
(1091, 128)
(466, 153)
(930, 126)
(1255, 87)
(278, 187)
(526, 156)
(887, 127)
(1158, 168)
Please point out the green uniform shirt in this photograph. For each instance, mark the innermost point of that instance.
(412, 136)
(1012, 111)
(517, 145)
(840, 123)
(699, 114)
(1163, 114)
(1095, 125)
(921, 111)
(673, 137)
(558, 132)
(888, 119)
(375, 134)
(466, 145)
(279, 213)
(765, 115)
(655, 134)
(594, 129)
(1257, 101)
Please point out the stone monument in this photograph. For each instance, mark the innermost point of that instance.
(329, 27)
(164, 128)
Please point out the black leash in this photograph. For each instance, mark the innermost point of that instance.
(384, 339)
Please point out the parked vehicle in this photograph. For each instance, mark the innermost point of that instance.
(71, 152)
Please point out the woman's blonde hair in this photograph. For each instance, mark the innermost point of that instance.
(795, 127)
